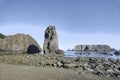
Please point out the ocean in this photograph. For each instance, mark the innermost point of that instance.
(91, 54)
(75, 54)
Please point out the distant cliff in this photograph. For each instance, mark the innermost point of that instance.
(93, 48)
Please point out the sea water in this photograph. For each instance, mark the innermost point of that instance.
(91, 54)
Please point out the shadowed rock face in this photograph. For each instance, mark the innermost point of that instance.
(117, 52)
(18, 42)
(51, 41)
(93, 48)
(33, 49)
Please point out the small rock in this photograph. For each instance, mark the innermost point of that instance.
(118, 68)
(81, 72)
(117, 53)
(112, 60)
(118, 61)
(54, 65)
(69, 65)
(92, 60)
(97, 72)
(116, 74)
(111, 54)
(59, 64)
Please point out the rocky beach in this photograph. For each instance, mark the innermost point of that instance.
(99, 68)
(59, 39)
(83, 62)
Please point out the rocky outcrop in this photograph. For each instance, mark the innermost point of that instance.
(51, 41)
(117, 52)
(18, 42)
(93, 48)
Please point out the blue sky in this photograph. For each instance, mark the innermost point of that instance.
(76, 21)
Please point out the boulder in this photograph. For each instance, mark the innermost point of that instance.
(118, 61)
(117, 52)
(51, 41)
(59, 51)
(112, 60)
(18, 42)
(93, 48)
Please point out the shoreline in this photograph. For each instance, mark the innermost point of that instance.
(22, 72)
(95, 66)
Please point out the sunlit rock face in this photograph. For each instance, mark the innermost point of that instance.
(51, 41)
(18, 42)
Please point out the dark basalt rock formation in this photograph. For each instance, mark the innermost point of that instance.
(33, 49)
(93, 48)
(117, 52)
(51, 41)
(17, 43)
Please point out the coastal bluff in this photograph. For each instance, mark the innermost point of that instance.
(17, 43)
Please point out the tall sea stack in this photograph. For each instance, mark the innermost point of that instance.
(51, 41)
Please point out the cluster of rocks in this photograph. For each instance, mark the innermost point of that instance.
(93, 48)
(101, 66)
(98, 66)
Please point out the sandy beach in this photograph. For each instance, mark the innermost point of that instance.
(18, 72)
